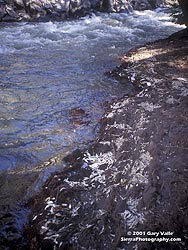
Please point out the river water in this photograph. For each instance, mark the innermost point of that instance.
(47, 70)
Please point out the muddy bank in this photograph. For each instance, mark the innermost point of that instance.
(135, 176)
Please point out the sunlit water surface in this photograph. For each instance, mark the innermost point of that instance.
(47, 69)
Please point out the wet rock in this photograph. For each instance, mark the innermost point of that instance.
(142, 5)
(58, 10)
(79, 117)
(2, 12)
(147, 4)
(19, 3)
(13, 215)
(77, 112)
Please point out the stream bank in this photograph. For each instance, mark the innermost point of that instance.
(134, 177)
(58, 10)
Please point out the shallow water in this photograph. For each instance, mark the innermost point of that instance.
(47, 69)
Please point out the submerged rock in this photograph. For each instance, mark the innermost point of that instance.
(79, 117)
(134, 178)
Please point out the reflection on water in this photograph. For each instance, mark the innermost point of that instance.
(48, 69)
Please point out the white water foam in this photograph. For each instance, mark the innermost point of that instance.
(5, 50)
(98, 28)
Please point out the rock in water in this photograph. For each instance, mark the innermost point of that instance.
(44, 10)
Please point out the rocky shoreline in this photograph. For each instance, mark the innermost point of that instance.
(58, 10)
(134, 178)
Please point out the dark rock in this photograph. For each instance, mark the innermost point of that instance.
(19, 4)
(77, 112)
(78, 117)
(8, 18)
(52, 10)
(9, 2)
(2, 13)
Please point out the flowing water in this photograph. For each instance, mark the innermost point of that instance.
(47, 70)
